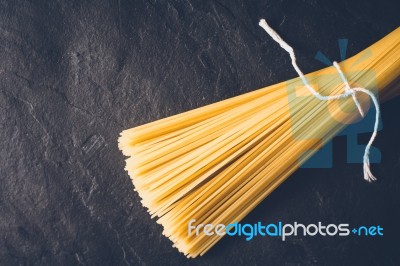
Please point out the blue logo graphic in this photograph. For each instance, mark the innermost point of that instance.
(323, 158)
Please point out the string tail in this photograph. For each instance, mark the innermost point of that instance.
(368, 176)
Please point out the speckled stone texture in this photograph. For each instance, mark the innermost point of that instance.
(73, 74)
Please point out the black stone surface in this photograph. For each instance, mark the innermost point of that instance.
(73, 74)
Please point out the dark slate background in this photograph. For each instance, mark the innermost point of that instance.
(73, 74)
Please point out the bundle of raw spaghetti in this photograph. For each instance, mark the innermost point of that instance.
(216, 163)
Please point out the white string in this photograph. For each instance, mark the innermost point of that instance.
(348, 92)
